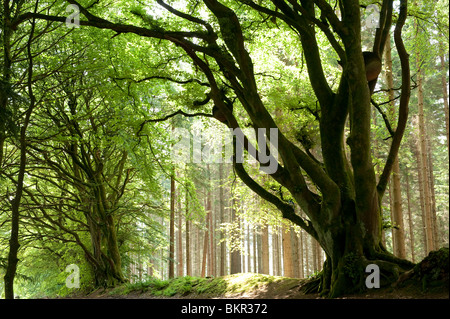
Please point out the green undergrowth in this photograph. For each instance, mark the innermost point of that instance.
(210, 286)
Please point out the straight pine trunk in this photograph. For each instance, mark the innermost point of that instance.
(300, 252)
(235, 255)
(249, 257)
(424, 169)
(276, 251)
(397, 211)
(410, 221)
(265, 249)
(287, 252)
(432, 193)
(180, 239)
(421, 194)
(223, 258)
(307, 266)
(259, 248)
(295, 256)
(188, 239)
(14, 244)
(172, 228)
(444, 91)
(205, 245)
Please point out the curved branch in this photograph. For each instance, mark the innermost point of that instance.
(328, 12)
(165, 118)
(187, 17)
(160, 77)
(385, 118)
(404, 99)
(385, 27)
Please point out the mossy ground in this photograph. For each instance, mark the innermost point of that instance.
(429, 279)
(249, 286)
(246, 285)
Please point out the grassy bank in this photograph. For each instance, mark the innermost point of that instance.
(192, 287)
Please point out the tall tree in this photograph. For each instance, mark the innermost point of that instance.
(180, 263)
(397, 211)
(410, 220)
(14, 244)
(265, 249)
(235, 254)
(276, 251)
(444, 91)
(301, 273)
(288, 263)
(188, 236)
(422, 151)
(172, 227)
(223, 258)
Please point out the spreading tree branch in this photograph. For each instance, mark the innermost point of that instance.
(404, 99)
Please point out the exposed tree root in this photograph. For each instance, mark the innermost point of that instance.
(433, 271)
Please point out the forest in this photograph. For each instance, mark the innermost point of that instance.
(148, 141)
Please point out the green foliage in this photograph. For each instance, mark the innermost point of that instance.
(111, 83)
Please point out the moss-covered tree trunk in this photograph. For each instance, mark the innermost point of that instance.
(104, 257)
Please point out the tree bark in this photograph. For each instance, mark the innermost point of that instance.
(212, 246)
(294, 250)
(397, 212)
(265, 249)
(276, 251)
(432, 193)
(172, 227)
(14, 244)
(223, 258)
(258, 248)
(287, 252)
(249, 254)
(424, 169)
(188, 238)
(180, 239)
(410, 221)
(307, 259)
(444, 91)
(235, 255)
(205, 244)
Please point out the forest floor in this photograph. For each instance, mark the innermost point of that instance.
(248, 286)
(429, 279)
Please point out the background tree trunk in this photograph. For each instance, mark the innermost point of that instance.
(287, 251)
(223, 258)
(188, 236)
(205, 243)
(301, 255)
(444, 92)
(424, 166)
(432, 193)
(276, 251)
(295, 257)
(411, 224)
(180, 238)
(14, 244)
(172, 228)
(265, 249)
(235, 255)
